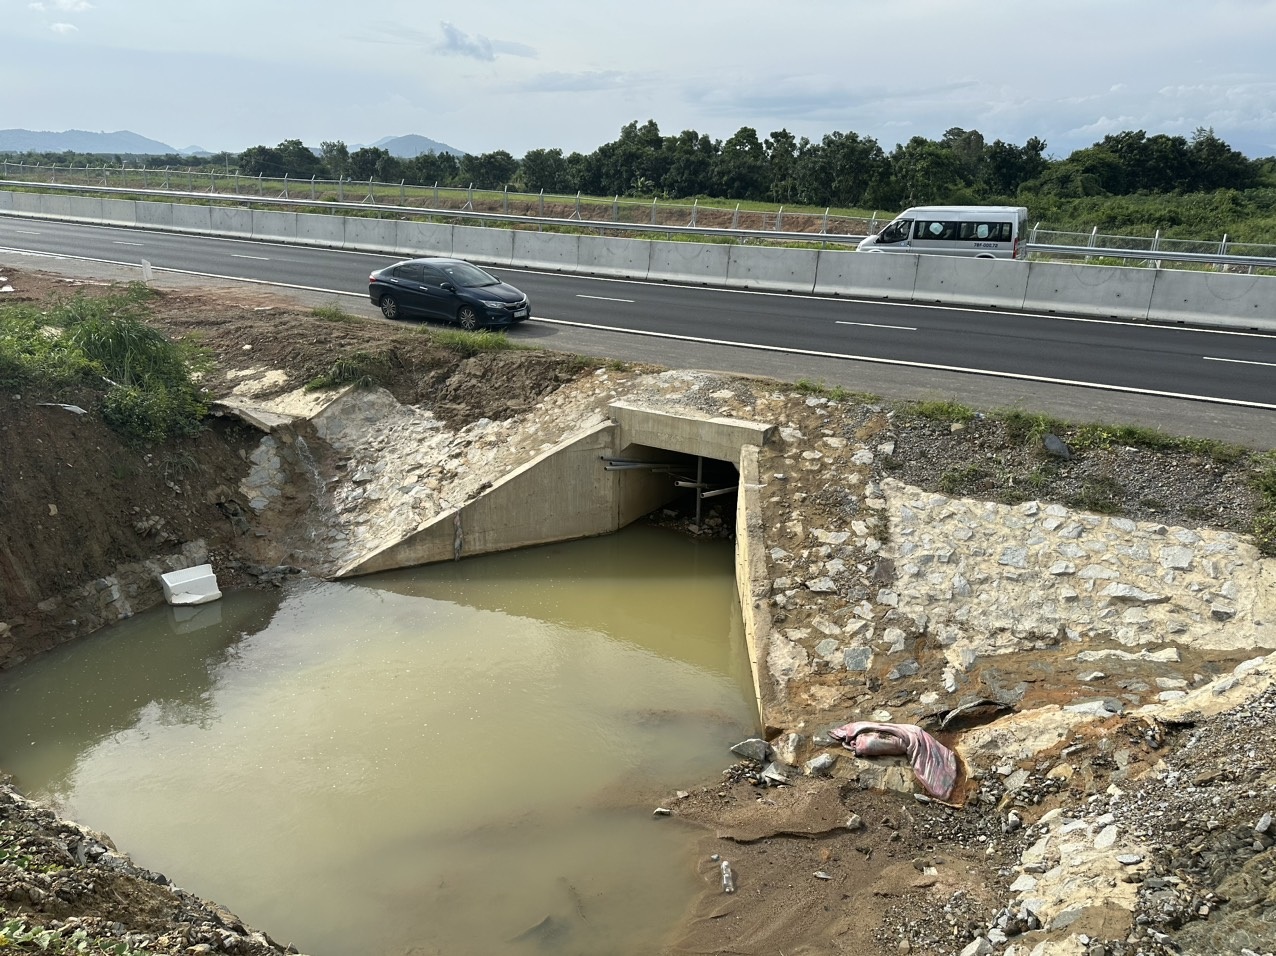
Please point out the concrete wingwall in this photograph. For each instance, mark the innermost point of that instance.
(1142, 294)
(753, 583)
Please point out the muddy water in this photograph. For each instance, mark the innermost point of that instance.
(444, 760)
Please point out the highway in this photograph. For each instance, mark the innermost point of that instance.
(1208, 382)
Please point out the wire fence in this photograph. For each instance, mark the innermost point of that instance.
(619, 209)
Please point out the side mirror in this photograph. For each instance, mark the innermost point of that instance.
(448, 286)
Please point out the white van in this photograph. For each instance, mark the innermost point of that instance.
(987, 232)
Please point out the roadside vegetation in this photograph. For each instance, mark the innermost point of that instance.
(146, 385)
(1129, 183)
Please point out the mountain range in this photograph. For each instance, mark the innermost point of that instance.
(128, 143)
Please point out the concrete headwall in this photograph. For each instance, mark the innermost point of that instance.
(560, 495)
(720, 438)
(752, 581)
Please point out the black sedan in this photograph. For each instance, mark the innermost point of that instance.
(450, 289)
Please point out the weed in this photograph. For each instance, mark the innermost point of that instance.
(960, 481)
(1101, 494)
(470, 344)
(944, 411)
(834, 393)
(1263, 480)
(358, 369)
(334, 313)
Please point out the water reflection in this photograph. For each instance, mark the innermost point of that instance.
(164, 662)
(437, 760)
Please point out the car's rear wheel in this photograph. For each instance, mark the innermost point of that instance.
(389, 307)
(467, 318)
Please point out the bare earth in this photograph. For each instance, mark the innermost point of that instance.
(905, 876)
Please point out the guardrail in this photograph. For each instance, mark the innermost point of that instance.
(603, 227)
(1242, 302)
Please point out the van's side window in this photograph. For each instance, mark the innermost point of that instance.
(985, 231)
(935, 230)
(896, 231)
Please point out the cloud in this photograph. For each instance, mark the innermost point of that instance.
(458, 43)
(64, 28)
(65, 6)
(599, 80)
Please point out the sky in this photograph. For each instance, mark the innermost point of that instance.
(515, 75)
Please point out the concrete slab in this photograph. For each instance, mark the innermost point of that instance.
(1214, 298)
(614, 256)
(880, 275)
(781, 270)
(328, 232)
(1078, 289)
(545, 250)
(417, 239)
(991, 283)
(720, 438)
(690, 262)
(487, 246)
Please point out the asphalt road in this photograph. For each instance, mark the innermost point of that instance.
(1208, 383)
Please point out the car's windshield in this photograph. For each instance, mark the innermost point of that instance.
(464, 274)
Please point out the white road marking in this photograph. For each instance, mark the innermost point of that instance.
(26, 232)
(603, 298)
(900, 363)
(121, 242)
(236, 255)
(875, 325)
(1211, 358)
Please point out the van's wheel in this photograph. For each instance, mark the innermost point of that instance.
(467, 318)
(389, 307)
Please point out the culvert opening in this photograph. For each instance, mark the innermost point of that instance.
(699, 493)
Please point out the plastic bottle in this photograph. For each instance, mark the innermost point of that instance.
(728, 878)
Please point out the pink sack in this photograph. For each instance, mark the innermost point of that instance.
(933, 763)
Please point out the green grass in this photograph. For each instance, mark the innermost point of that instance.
(834, 393)
(1263, 480)
(28, 938)
(360, 369)
(334, 313)
(469, 344)
(942, 411)
(147, 382)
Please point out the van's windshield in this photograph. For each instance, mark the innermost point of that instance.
(896, 231)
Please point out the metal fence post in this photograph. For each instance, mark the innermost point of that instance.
(436, 194)
(469, 197)
(542, 202)
(695, 208)
(824, 229)
(212, 179)
(735, 217)
(779, 219)
(236, 180)
(285, 185)
(578, 204)
(1222, 251)
(312, 187)
(260, 191)
(403, 192)
(653, 211)
(372, 193)
(505, 200)
(166, 186)
(341, 189)
(1156, 244)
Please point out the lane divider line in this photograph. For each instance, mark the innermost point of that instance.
(1211, 358)
(876, 325)
(901, 363)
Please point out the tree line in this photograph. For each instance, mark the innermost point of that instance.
(1125, 179)
(844, 170)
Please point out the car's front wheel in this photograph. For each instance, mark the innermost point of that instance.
(467, 318)
(389, 307)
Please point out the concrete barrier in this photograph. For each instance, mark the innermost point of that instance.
(613, 256)
(154, 215)
(882, 275)
(197, 219)
(119, 212)
(780, 270)
(1107, 291)
(371, 235)
(6, 201)
(327, 232)
(992, 283)
(493, 246)
(62, 207)
(28, 203)
(276, 226)
(545, 250)
(231, 221)
(1214, 298)
(416, 239)
(691, 262)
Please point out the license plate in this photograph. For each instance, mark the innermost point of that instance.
(520, 313)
